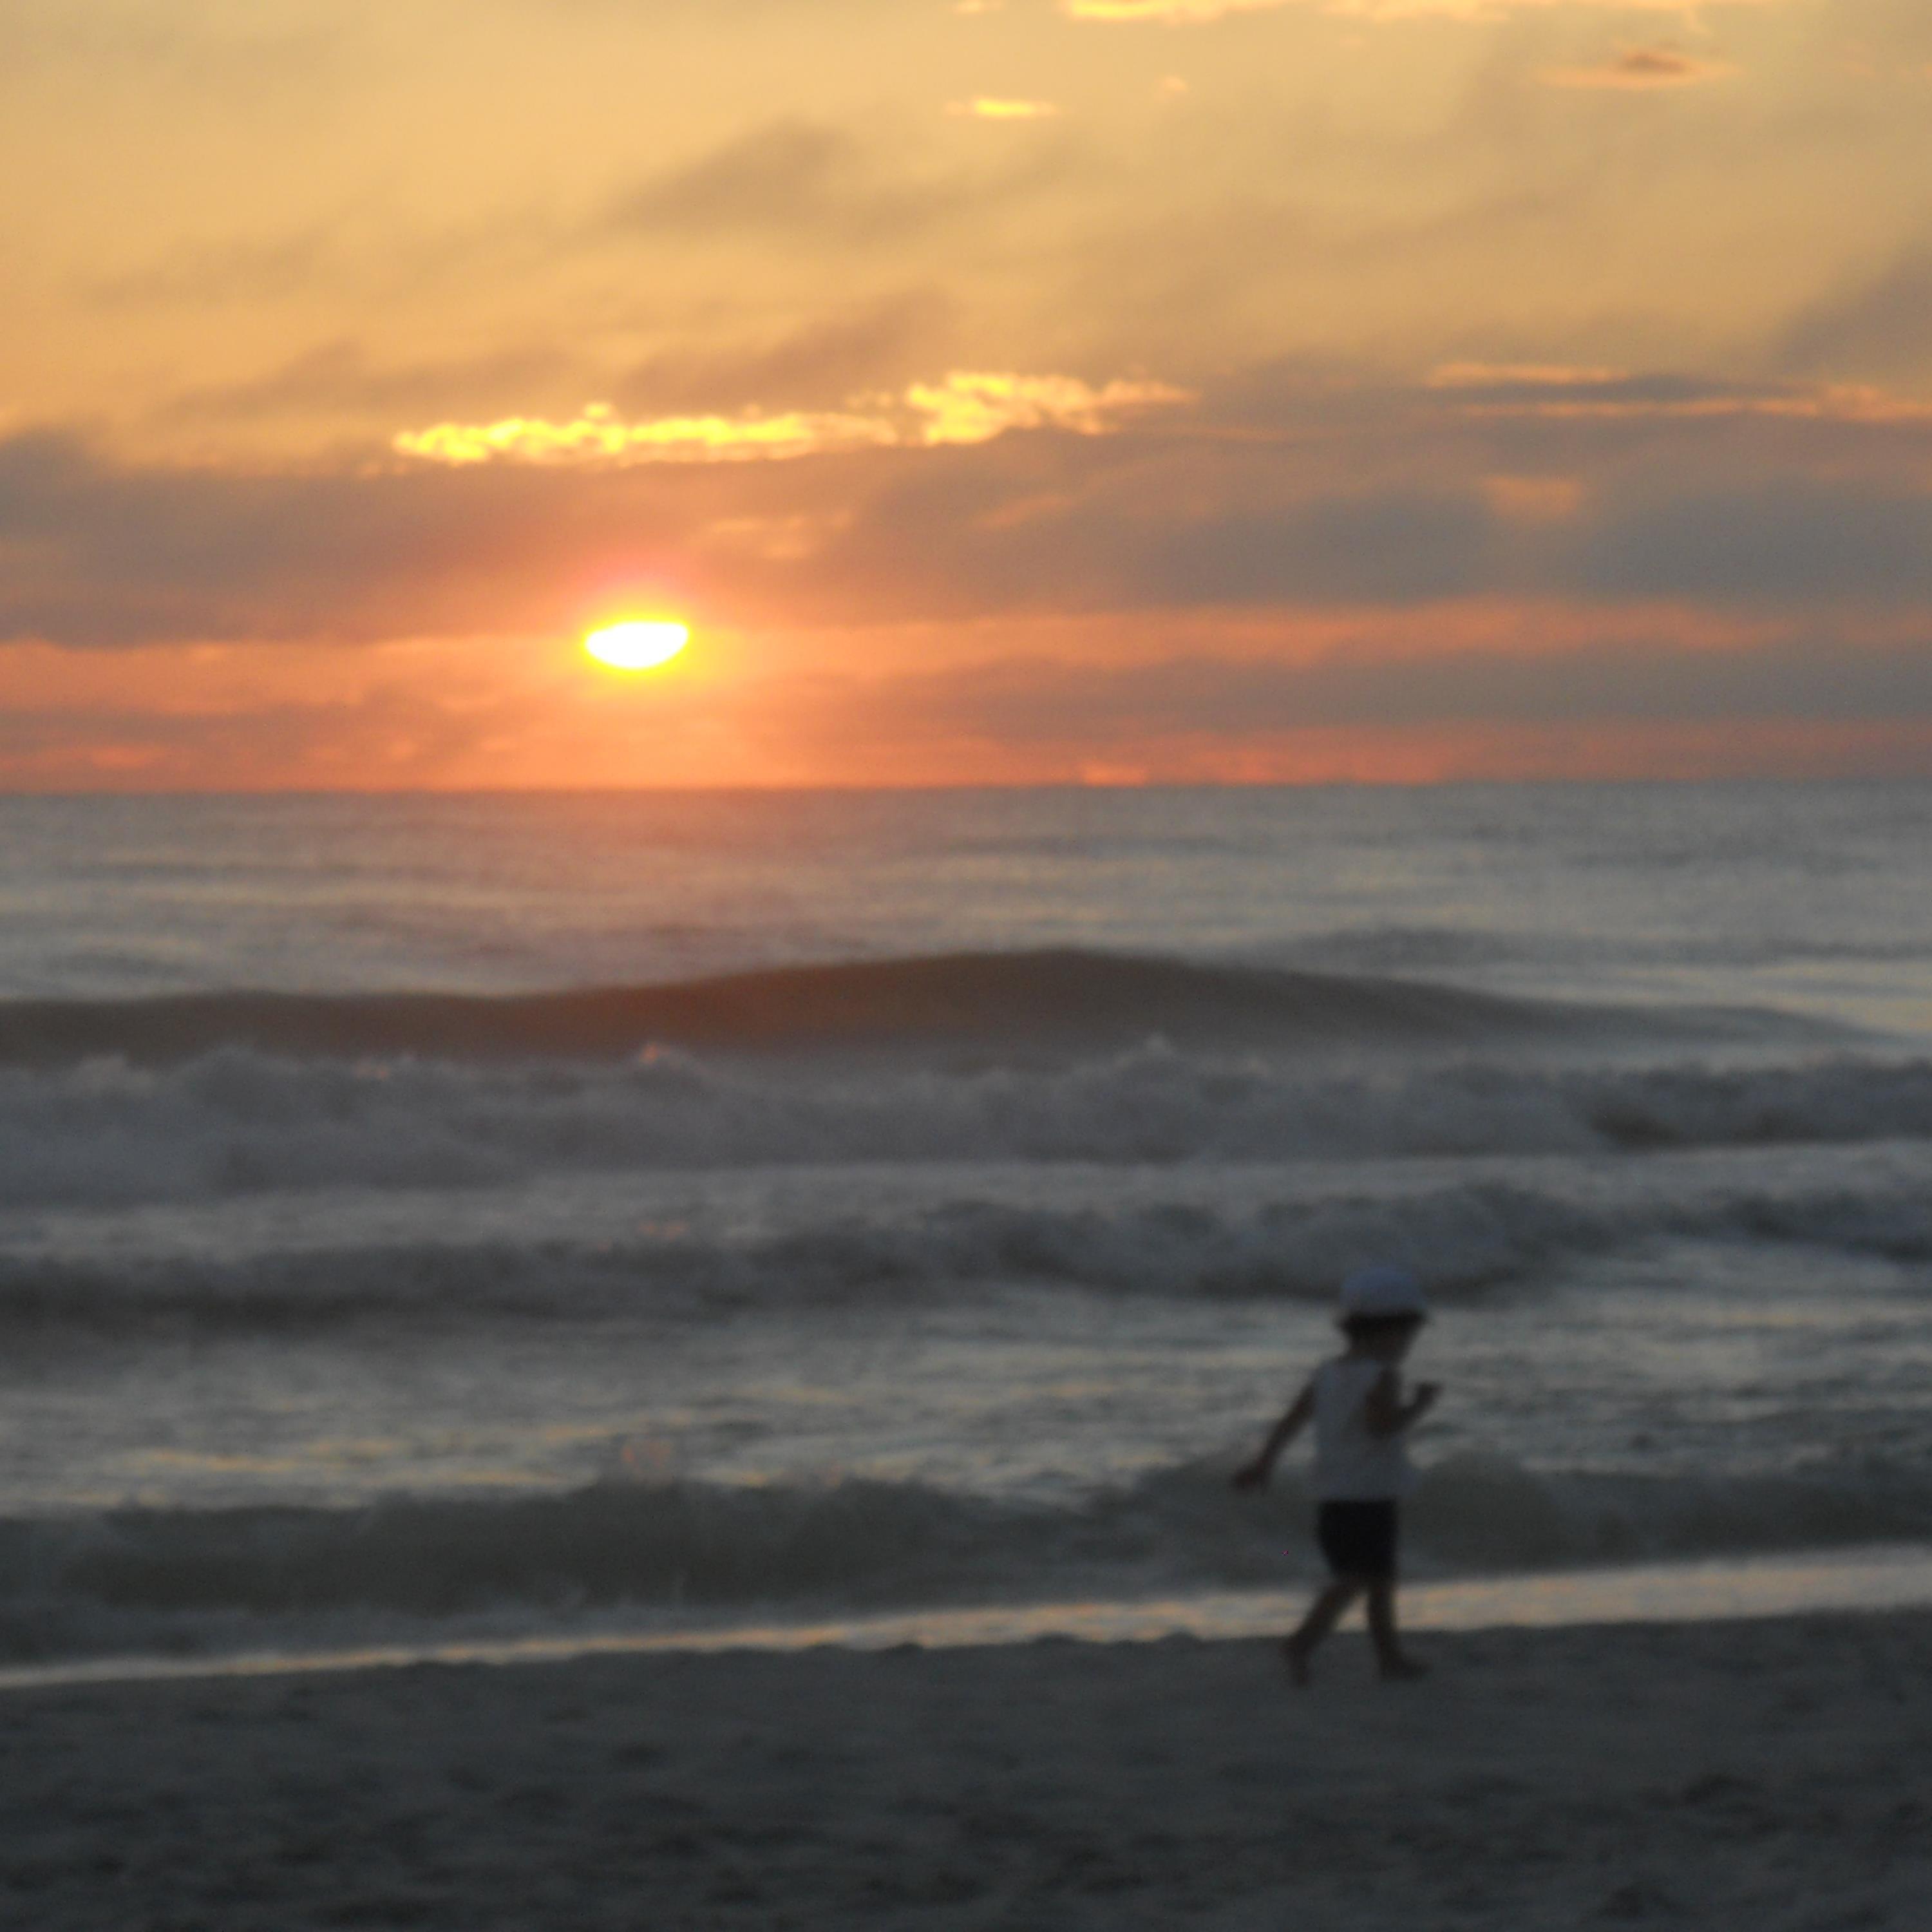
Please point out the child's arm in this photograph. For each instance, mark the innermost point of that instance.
(1385, 1413)
(1253, 1475)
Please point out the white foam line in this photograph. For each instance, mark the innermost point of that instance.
(1890, 1577)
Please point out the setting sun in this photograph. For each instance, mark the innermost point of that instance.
(637, 646)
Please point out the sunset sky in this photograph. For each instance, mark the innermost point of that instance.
(1008, 390)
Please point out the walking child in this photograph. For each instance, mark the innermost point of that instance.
(1362, 1419)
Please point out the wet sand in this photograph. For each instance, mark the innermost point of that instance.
(1769, 1775)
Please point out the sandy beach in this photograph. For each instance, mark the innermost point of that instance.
(1769, 1775)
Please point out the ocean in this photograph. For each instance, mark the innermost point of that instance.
(551, 1218)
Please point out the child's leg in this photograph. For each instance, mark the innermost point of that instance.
(1390, 1660)
(1324, 1614)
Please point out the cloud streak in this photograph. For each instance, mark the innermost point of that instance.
(964, 407)
(1555, 391)
(1640, 70)
(100, 556)
(595, 436)
(1805, 677)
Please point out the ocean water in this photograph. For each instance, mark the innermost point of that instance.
(434, 1220)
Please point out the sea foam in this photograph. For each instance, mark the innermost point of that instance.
(237, 1121)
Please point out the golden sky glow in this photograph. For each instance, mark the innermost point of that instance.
(1097, 390)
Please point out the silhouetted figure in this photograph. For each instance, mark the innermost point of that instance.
(1362, 1419)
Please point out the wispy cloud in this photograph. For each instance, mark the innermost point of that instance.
(965, 406)
(1527, 375)
(805, 181)
(341, 376)
(203, 273)
(1174, 12)
(1485, 9)
(1640, 70)
(987, 107)
(815, 363)
(1874, 325)
(1188, 13)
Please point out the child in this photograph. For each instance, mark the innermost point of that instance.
(1361, 1465)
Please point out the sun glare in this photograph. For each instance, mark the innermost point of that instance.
(637, 646)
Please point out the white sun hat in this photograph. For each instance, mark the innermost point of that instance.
(1383, 1292)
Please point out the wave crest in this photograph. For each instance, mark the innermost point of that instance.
(1461, 1240)
(1064, 1000)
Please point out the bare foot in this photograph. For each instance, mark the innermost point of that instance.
(1297, 1661)
(1401, 1669)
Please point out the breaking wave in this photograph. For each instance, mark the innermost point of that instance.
(237, 1121)
(179, 1579)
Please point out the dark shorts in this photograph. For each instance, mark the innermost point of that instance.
(1358, 1539)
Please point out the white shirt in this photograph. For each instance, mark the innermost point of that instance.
(1351, 1464)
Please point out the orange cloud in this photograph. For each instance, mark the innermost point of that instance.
(596, 436)
(965, 406)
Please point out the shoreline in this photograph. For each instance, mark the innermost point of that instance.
(1858, 1579)
(1764, 1772)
